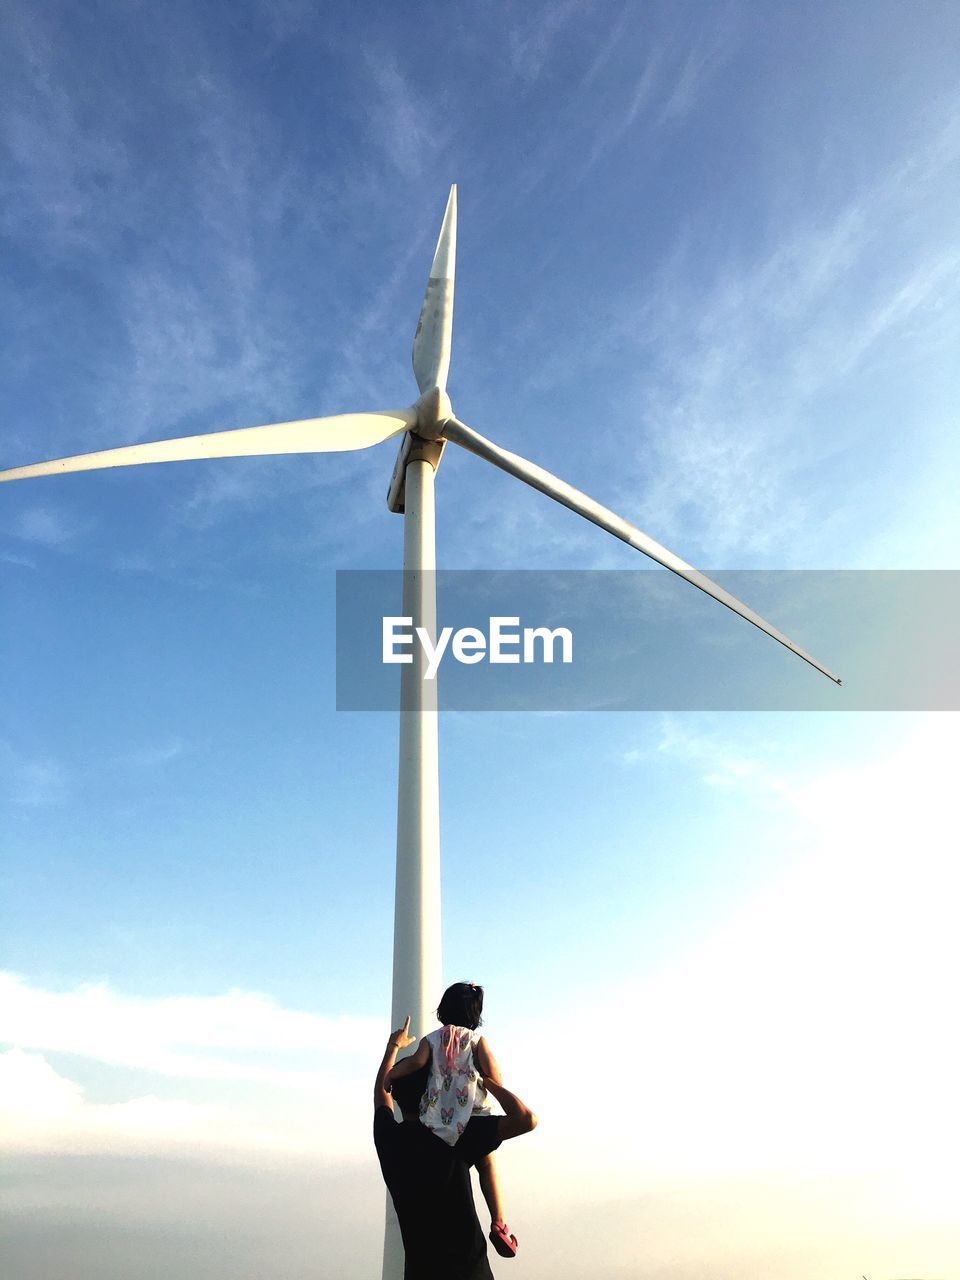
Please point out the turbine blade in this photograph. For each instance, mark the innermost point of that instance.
(311, 435)
(570, 497)
(431, 344)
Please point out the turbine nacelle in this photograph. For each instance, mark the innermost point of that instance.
(423, 443)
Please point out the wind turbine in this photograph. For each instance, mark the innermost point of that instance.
(425, 427)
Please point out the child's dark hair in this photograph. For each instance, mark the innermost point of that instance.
(461, 1005)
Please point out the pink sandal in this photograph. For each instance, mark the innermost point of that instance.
(501, 1239)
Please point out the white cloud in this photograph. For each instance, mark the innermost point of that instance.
(43, 1110)
(225, 1037)
(29, 1083)
(238, 1072)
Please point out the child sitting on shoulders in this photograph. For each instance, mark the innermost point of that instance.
(459, 1059)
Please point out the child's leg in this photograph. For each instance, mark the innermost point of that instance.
(490, 1186)
(501, 1236)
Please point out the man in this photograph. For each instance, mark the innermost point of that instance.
(429, 1181)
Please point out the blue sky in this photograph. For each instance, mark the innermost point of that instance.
(708, 272)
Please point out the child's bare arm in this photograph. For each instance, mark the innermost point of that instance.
(406, 1066)
(486, 1063)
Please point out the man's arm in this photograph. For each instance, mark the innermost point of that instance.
(517, 1117)
(400, 1039)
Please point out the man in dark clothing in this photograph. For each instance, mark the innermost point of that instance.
(429, 1181)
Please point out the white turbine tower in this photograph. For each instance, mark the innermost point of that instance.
(425, 426)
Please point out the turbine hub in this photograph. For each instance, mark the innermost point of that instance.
(433, 411)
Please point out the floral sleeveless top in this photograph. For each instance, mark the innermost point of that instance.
(454, 1090)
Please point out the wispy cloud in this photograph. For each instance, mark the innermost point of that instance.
(720, 763)
(639, 84)
(410, 128)
(24, 562)
(692, 75)
(199, 337)
(47, 525)
(370, 348)
(169, 269)
(153, 755)
(741, 365)
(68, 179)
(532, 35)
(30, 782)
